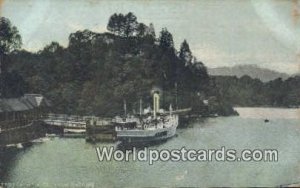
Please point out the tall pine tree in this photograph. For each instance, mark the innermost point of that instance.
(185, 53)
(166, 40)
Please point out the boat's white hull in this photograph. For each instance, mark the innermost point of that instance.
(148, 135)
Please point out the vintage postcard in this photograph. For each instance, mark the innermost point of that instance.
(149, 93)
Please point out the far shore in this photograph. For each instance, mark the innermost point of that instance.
(277, 107)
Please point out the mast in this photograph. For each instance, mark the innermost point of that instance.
(155, 103)
(176, 96)
(125, 108)
(141, 108)
(170, 109)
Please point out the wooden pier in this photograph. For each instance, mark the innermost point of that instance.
(89, 127)
(95, 128)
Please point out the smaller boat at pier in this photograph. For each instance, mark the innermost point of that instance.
(76, 133)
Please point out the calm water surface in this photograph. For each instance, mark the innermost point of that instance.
(63, 161)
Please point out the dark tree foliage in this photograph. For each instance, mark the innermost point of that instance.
(10, 38)
(185, 53)
(130, 25)
(246, 91)
(166, 40)
(97, 71)
(146, 34)
(142, 30)
(52, 48)
(11, 84)
(115, 24)
(123, 25)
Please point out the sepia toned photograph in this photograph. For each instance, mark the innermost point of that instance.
(149, 93)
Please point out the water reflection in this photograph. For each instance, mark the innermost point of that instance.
(8, 159)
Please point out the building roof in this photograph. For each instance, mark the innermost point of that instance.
(36, 100)
(27, 102)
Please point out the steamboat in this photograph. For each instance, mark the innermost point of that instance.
(150, 126)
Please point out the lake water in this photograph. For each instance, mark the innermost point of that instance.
(66, 161)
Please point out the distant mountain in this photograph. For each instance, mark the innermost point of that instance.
(253, 71)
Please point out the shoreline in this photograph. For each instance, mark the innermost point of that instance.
(273, 107)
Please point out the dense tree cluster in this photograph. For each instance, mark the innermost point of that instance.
(128, 26)
(246, 91)
(10, 40)
(97, 71)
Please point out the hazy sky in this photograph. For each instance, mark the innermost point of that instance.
(220, 33)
